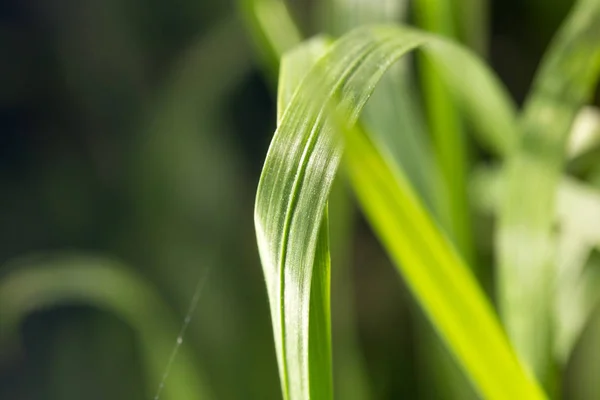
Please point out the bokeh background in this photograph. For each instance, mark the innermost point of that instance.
(132, 135)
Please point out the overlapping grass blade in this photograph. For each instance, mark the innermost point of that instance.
(447, 131)
(393, 114)
(292, 195)
(527, 273)
(44, 282)
(395, 96)
(435, 273)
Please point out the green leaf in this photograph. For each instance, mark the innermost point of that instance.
(292, 196)
(272, 28)
(43, 282)
(311, 359)
(525, 245)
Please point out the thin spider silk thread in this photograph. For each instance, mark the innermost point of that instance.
(186, 322)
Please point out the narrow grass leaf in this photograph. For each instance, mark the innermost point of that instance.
(442, 283)
(53, 280)
(295, 183)
(294, 67)
(272, 28)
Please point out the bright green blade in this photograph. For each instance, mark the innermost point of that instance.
(295, 183)
(443, 284)
(44, 282)
(527, 274)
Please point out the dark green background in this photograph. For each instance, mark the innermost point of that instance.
(109, 147)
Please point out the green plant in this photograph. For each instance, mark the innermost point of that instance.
(330, 84)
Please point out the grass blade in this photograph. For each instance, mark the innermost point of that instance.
(525, 245)
(434, 271)
(310, 358)
(291, 203)
(44, 282)
(453, 159)
(473, 25)
(272, 28)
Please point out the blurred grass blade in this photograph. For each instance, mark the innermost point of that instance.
(583, 147)
(473, 24)
(526, 279)
(393, 114)
(291, 203)
(341, 16)
(45, 282)
(272, 27)
(447, 131)
(395, 120)
(451, 150)
(585, 133)
(578, 291)
(395, 96)
(577, 296)
(577, 212)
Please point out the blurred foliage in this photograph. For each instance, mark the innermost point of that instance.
(133, 132)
